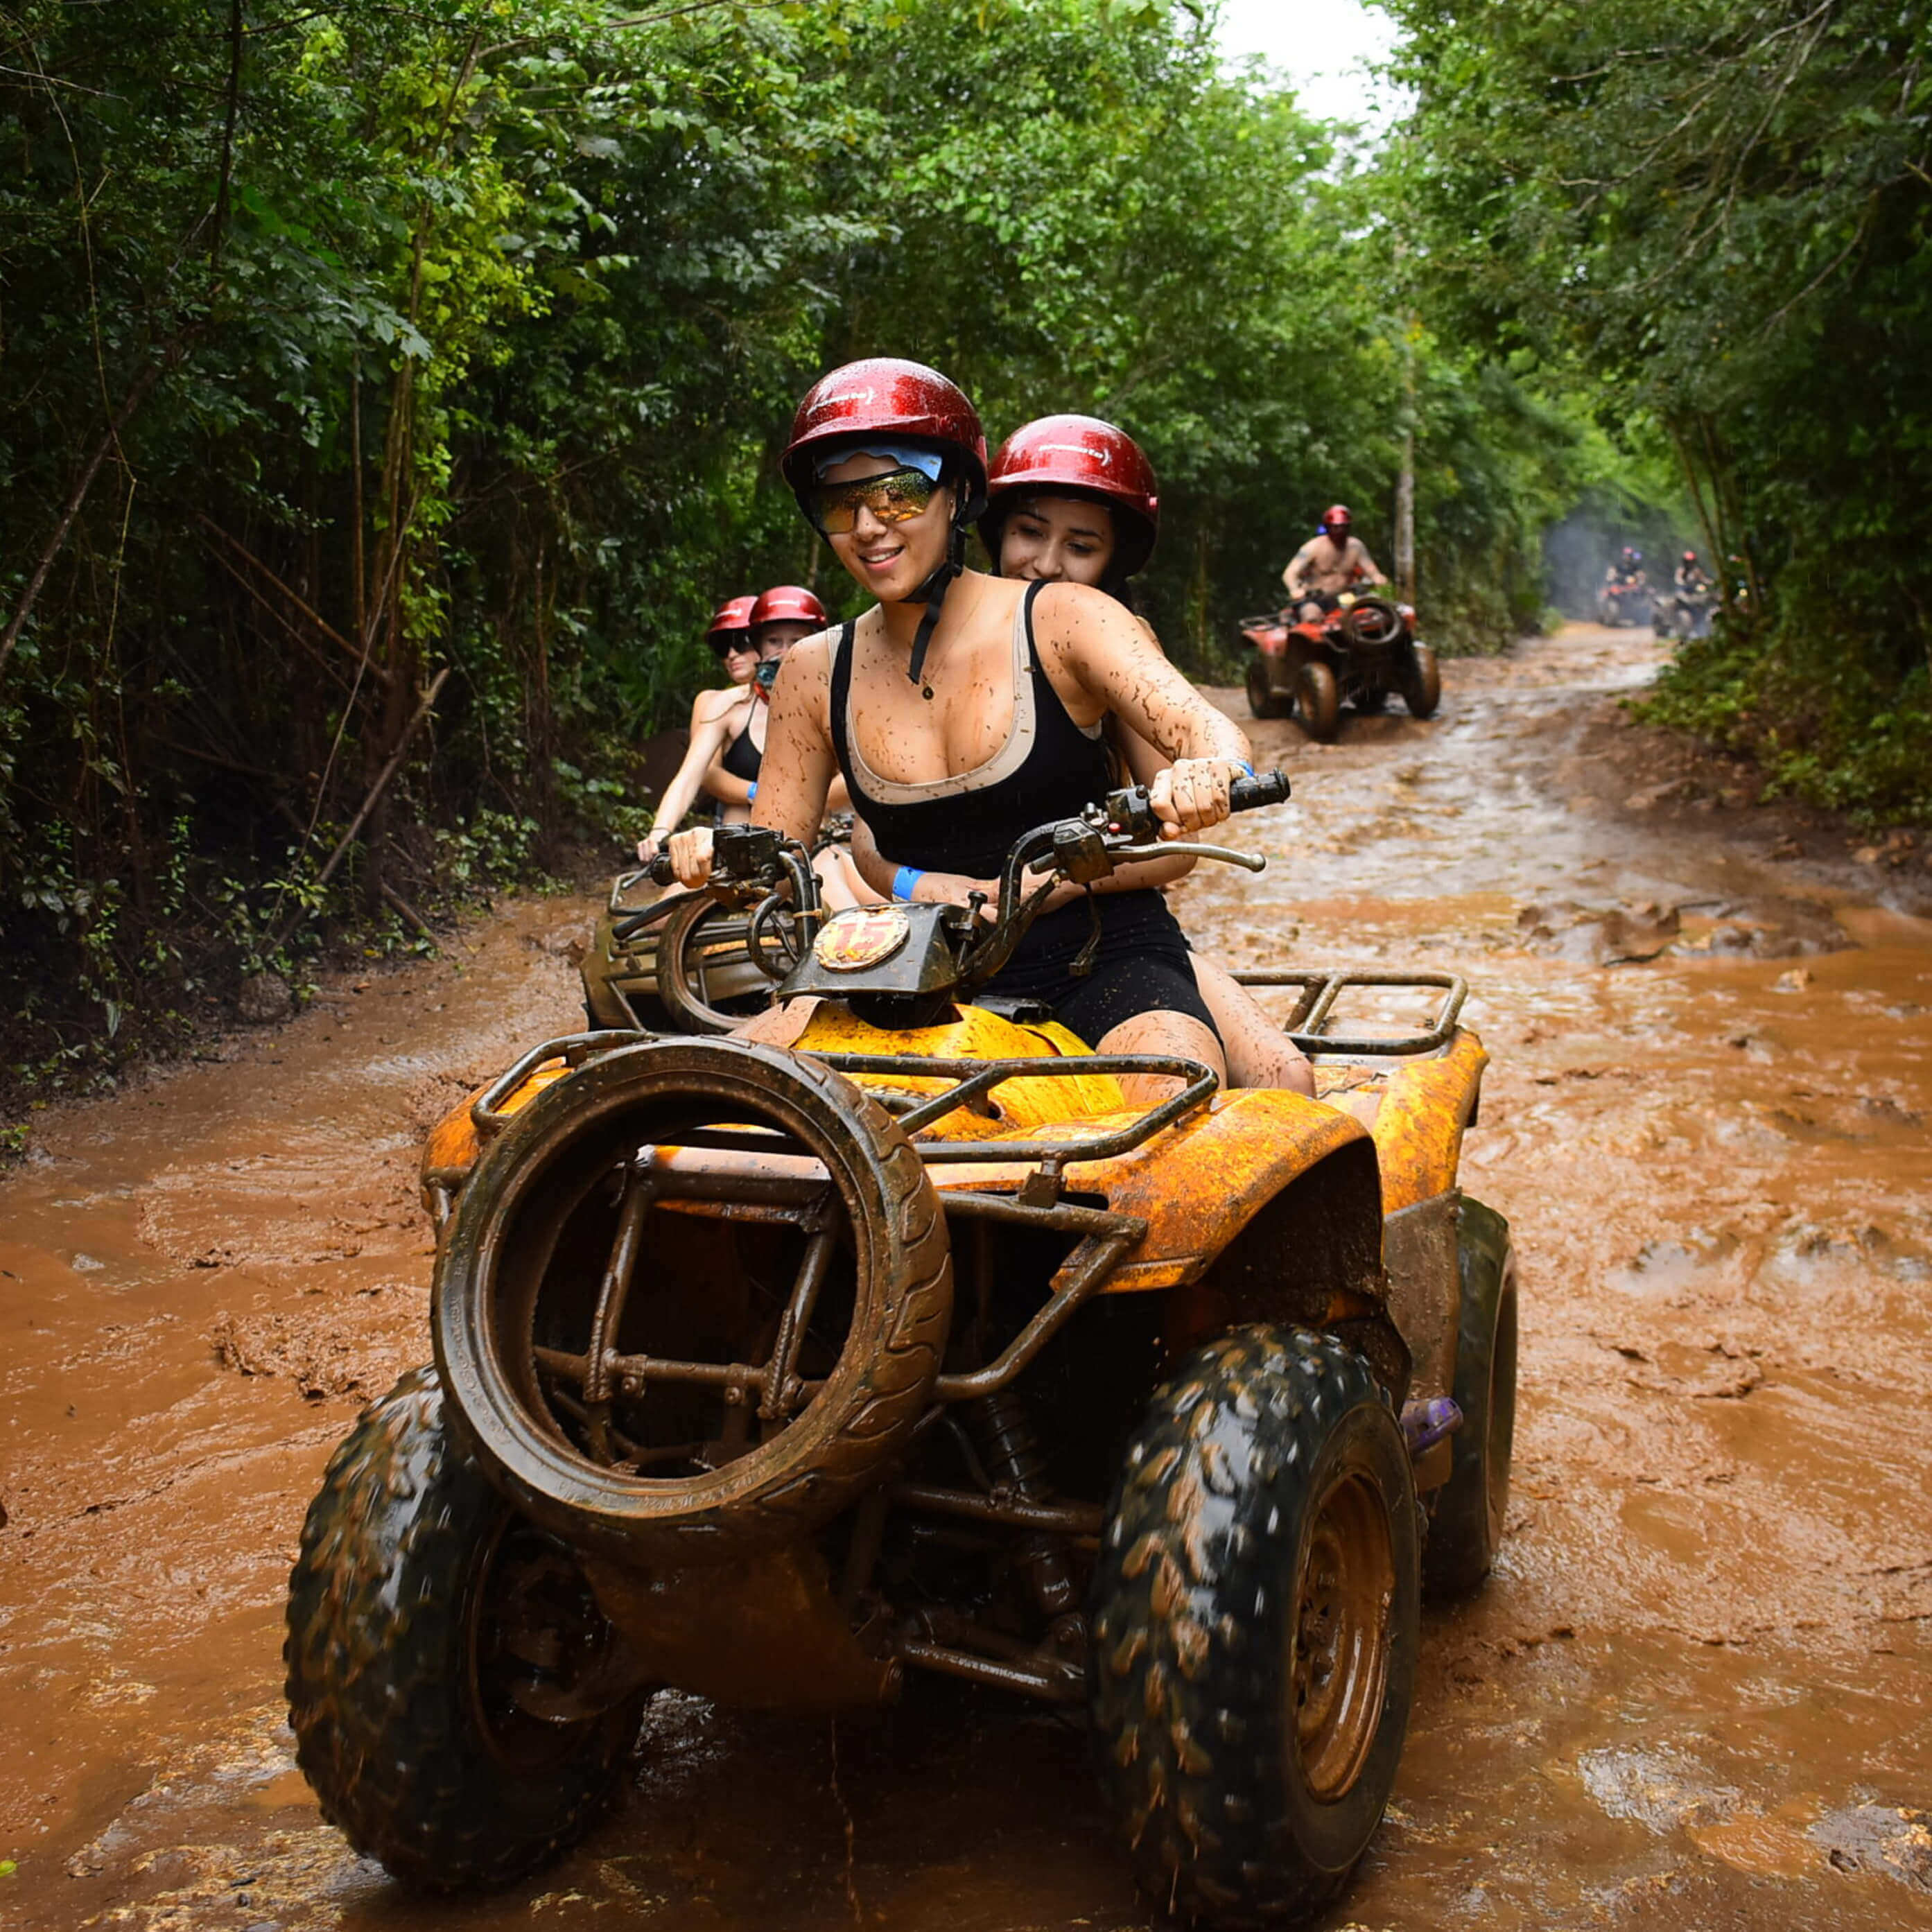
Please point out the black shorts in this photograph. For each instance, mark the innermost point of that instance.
(1141, 965)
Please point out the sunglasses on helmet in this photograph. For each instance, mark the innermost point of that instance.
(896, 497)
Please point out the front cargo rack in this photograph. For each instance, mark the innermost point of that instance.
(1307, 1025)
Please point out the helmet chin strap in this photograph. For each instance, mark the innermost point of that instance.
(932, 594)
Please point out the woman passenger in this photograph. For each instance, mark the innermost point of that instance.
(1071, 499)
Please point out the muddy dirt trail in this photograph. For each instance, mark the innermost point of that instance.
(1695, 1694)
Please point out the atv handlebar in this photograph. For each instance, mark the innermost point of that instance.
(754, 863)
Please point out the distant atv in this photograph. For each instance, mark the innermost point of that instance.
(1618, 605)
(1683, 614)
(1356, 654)
(708, 981)
(775, 1374)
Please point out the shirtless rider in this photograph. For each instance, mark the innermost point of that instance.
(964, 710)
(1328, 565)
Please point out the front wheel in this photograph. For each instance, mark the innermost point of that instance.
(459, 1703)
(1255, 1628)
(1319, 701)
(1422, 683)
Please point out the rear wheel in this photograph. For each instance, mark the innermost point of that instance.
(1422, 683)
(458, 1700)
(1263, 700)
(1318, 702)
(1255, 1627)
(1466, 1529)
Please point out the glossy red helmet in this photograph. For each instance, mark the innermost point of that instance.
(786, 604)
(887, 396)
(730, 623)
(1336, 517)
(1084, 457)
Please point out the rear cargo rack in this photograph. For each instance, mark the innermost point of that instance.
(1306, 1026)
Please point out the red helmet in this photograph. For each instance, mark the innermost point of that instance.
(1690, 556)
(1336, 517)
(1087, 457)
(731, 621)
(786, 604)
(887, 396)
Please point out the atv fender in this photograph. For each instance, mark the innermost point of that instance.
(1264, 1207)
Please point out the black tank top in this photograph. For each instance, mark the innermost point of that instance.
(1048, 768)
(742, 757)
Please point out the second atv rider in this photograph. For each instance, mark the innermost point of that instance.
(1329, 563)
(964, 710)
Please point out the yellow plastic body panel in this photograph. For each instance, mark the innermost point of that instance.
(1425, 1105)
(1197, 1184)
(452, 1140)
(1019, 1105)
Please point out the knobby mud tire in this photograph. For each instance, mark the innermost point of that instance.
(1263, 700)
(1318, 702)
(828, 1455)
(387, 1605)
(1465, 1529)
(1210, 1563)
(690, 1012)
(1422, 685)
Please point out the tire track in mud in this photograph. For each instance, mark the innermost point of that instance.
(1694, 1694)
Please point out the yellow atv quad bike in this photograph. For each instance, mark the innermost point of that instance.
(777, 1375)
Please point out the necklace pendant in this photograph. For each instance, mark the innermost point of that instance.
(925, 691)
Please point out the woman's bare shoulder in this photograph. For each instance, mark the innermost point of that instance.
(710, 705)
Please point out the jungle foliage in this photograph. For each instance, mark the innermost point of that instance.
(387, 393)
(1713, 213)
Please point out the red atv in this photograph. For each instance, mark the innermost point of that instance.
(1359, 652)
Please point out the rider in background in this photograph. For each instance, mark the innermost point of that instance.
(780, 617)
(715, 715)
(1070, 499)
(1627, 570)
(1328, 565)
(964, 710)
(1689, 576)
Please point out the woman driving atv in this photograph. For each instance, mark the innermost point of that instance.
(963, 710)
(1072, 500)
(715, 715)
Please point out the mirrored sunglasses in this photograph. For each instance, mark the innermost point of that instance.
(894, 498)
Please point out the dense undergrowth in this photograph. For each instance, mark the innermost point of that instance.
(387, 393)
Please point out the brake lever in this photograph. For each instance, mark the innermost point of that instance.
(1249, 861)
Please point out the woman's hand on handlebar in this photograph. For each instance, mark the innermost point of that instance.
(652, 843)
(1190, 795)
(691, 857)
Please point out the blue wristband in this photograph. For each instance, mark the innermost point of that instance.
(1243, 764)
(904, 880)
(752, 790)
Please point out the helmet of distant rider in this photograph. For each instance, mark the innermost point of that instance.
(1077, 456)
(1690, 556)
(897, 401)
(1337, 523)
(786, 604)
(730, 625)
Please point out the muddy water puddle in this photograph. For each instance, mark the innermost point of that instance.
(1695, 1694)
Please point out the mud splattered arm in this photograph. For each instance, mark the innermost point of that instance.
(1091, 642)
(709, 736)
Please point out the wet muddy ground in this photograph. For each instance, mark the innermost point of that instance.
(1695, 1694)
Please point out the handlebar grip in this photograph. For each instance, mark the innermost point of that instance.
(659, 872)
(1264, 788)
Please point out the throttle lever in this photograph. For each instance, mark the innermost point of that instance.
(1249, 861)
